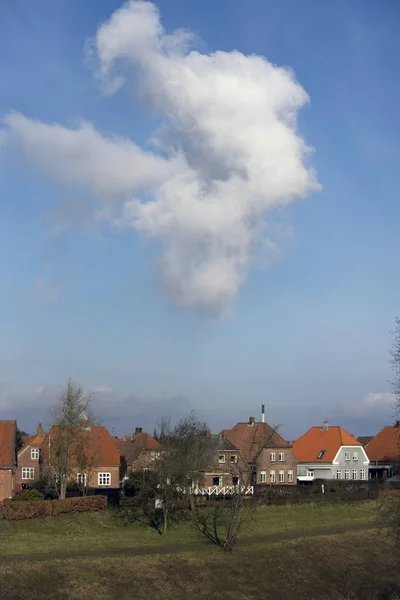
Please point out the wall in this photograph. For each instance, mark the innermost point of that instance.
(93, 481)
(25, 460)
(6, 484)
(350, 465)
(288, 464)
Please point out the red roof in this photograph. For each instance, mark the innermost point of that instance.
(35, 440)
(385, 445)
(100, 442)
(250, 438)
(316, 440)
(133, 447)
(8, 430)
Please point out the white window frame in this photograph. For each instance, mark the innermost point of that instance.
(219, 481)
(355, 455)
(281, 457)
(290, 476)
(221, 458)
(339, 474)
(355, 472)
(272, 477)
(347, 456)
(281, 476)
(347, 474)
(272, 456)
(234, 458)
(263, 477)
(80, 476)
(28, 473)
(34, 453)
(362, 474)
(103, 478)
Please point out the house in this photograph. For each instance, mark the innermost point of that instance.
(329, 452)
(94, 457)
(8, 458)
(140, 450)
(384, 453)
(222, 463)
(270, 457)
(30, 459)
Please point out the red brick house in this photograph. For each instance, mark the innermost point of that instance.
(383, 452)
(30, 460)
(223, 464)
(8, 458)
(140, 450)
(270, 457)
(95, 458)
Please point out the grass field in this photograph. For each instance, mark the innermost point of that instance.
(108, 530)
(350, 566)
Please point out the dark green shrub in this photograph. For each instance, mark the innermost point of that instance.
(28, 496)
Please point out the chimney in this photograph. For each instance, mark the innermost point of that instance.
(325, 426)
(262, 413)
(138, 430)
(251, 420)
(40, 430)
(397, 424)
(127, 438)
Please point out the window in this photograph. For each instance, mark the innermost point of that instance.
(263, 476)
(154, 455)
(217, 480)
(347, 474)
(302, 472)
(272, 456)
(28, 473)
(339, 474)
(321, 454)
(104, 478)
(355, 474)
(347, 456)
(221, 458)
(355, 455)
(81, 479)
(235, 480)
(281, 456)
(290, 476)
(34, 453)
(272, 476)
(281, 476)
(362, 473)
(234, 458)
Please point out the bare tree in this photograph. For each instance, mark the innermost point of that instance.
(224, 522)
(68, 437)
(395, 364)
(167, 479)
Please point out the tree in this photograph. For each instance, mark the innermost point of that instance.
(395, 364)
(69, 451)
(167, 478)
(19, 441)
(224, 522)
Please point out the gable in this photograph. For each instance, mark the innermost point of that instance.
(320, 445)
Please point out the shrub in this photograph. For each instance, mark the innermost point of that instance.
(41, 508)
(28, 496)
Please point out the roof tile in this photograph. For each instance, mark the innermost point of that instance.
(8, 431)
(316, 439)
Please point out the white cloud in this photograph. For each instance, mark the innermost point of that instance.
(229, 153)
(100, 389)
(379, 398)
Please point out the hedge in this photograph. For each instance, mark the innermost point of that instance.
(42, 508)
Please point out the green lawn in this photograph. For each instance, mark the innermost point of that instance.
(350, 566)
(107, 530)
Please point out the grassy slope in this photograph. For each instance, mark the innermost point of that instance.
(69, 533)
(348, 566)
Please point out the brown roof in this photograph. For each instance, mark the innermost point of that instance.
(8, 430)
(385, 445)
(35, 440)
(316, 440)
(251, 437)
(365, 439)
(131, 448)
(100, 440)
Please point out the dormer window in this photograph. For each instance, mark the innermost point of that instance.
(321, 454)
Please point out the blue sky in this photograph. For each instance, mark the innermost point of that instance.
(309, 335)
